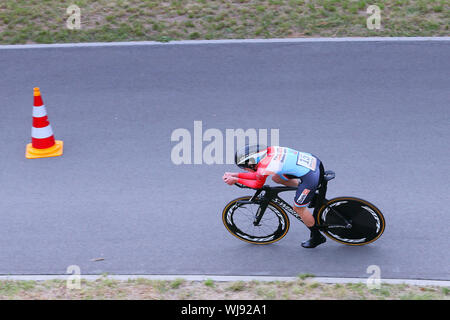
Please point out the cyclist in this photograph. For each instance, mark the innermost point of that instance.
(288, 167)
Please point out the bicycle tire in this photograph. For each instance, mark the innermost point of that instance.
(229, 220)
(367, 221)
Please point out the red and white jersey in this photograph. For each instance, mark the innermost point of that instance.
(282, 161)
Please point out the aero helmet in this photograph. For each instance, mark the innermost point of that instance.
(249, 156)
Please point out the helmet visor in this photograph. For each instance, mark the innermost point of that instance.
(250, 155)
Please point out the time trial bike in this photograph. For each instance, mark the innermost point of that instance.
(263, 219)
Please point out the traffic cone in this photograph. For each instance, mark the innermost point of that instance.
(43, 143)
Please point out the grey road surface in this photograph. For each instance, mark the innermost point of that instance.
(377, 113)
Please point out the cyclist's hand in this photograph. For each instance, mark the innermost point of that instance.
(227, 175)
(231, 174)
(228, 179)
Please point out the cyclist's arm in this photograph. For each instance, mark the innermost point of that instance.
(252, 180)
(247, 175)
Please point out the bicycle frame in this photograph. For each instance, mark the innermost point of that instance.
(270, 194)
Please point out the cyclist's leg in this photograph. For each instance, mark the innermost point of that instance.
(306, 216)
(304, 195)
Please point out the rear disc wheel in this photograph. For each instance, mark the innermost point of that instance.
(367, 221)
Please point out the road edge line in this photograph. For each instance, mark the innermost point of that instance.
(218, 278)
(224, 41)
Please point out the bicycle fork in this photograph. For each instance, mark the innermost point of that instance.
(260, 212)
(263, 203)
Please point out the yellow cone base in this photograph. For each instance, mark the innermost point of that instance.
(54, 151)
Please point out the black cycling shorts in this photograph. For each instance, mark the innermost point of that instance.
(307, 187)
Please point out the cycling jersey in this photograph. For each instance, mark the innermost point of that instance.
(288, 164)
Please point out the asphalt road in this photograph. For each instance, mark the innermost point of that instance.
(377, 113)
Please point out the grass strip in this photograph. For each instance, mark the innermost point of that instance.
(45, 21)
(303, 288)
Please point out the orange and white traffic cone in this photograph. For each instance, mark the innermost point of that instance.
(43, 143)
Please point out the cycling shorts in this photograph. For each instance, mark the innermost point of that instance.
(307, 187)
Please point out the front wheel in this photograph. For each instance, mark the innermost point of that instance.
(239, 219)
(367, 221)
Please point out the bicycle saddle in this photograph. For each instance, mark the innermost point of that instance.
(329, 175)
